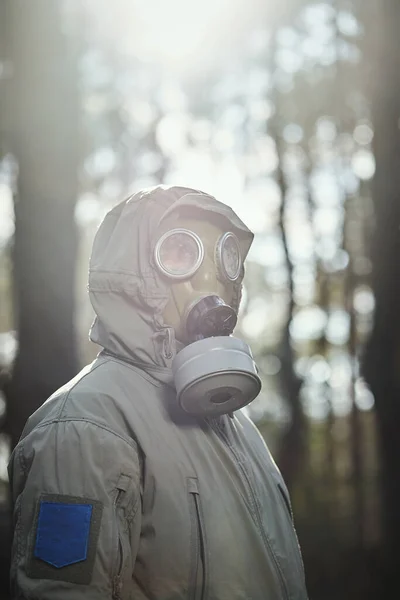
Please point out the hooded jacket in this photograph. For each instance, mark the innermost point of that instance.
(119, 494)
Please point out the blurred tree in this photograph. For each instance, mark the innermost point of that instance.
(292, 446)
(4, 513)
(381, 363)
(42, 134)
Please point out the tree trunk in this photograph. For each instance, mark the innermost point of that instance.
(292, 445)
(43, 136)
(381, 366)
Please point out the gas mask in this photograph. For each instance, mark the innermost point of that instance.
(214, 373)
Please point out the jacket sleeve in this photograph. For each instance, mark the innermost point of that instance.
(76, 494)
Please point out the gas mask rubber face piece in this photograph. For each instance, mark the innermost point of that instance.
(214, 373)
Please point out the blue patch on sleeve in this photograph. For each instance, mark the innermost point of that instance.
(63, 533)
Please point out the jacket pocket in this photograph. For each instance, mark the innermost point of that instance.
(198, 579)
(120, 536)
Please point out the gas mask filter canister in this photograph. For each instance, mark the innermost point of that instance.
(215, 376)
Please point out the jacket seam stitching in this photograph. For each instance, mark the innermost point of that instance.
(132, 444)
(19, 552)
(134, 509)
(21, 459)
(73, 387)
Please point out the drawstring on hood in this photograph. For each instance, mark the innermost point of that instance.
(125, 288)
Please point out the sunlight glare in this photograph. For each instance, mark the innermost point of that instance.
(180, 33)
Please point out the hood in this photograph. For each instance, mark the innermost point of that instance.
(126, 291)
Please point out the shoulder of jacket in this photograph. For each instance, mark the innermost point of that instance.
(91, 397)
(82, 423)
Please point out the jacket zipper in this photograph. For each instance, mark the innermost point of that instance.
(116, 580)
(200, 542)
(221, 431)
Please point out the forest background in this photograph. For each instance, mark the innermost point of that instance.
(290, 113)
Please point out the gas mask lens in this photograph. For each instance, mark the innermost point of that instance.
(179, 253)
(228, 258)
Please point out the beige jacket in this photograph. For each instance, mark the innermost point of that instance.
(119, 494)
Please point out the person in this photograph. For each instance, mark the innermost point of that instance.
(143, 478)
